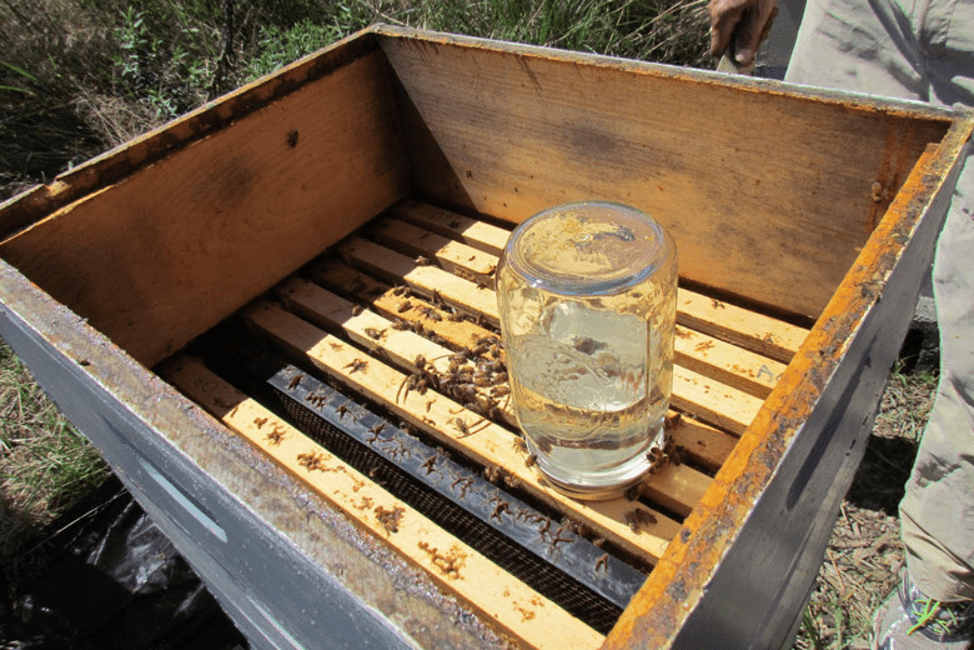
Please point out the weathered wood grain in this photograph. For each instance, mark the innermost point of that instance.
(168, 252)
(511, 130)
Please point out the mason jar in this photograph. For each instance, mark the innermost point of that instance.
(587, 300)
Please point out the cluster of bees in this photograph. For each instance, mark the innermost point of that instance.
(389, 519)
(475, 377)
(670, 452)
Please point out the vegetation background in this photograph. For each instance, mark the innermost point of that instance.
(78, 77)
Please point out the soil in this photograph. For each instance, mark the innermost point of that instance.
(865, 557)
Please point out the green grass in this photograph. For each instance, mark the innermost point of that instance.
(45, 466)
(80, 76)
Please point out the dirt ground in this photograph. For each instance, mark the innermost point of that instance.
(865, 556)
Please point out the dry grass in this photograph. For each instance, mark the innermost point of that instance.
(48, 49)
(115, 120)
(865, 555)
(45, 466)
(80, 76)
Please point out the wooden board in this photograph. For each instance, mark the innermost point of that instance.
(475, 232)
(380, 316)
(510, 130)
(515, 607)
(766, 520)
(168, 252)
(451, 424)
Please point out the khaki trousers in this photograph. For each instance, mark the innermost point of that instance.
(921, 50)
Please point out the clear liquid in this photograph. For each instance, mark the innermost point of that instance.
(587, 299)
(591, 388)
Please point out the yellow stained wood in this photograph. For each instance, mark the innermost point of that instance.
(365, 289)
(453, 565)
(677, 480)
(477, 438)
(713, 402)
(168, 252)
(402, 348)
(365, 327)
(701, 442)
(393, 267)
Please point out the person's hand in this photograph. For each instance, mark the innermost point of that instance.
(743, 24)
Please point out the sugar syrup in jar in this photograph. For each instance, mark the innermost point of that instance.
(587, 299)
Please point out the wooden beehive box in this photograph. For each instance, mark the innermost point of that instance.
(232, 308)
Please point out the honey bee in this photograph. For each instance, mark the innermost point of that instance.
(672, 420)
(493, 473)
(311, 461)
(637, 517)
(430, 464)
(376, 430)
(499, 509)
(462, 427)
(275, 436)
(389, 519)
(356, 365)
(374, 334)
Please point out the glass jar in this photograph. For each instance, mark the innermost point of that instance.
(587, 299)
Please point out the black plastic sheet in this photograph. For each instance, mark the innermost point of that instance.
(113, 581)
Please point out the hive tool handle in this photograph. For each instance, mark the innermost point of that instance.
(729, 64)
